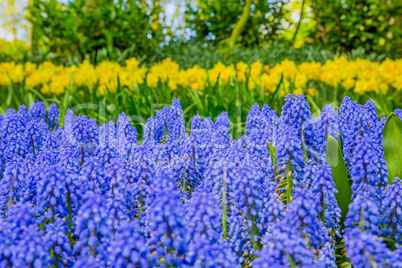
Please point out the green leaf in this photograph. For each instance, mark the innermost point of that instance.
(392, 137)
(339, 174)
(272, 152)
(276, 91)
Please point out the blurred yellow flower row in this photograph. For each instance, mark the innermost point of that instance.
(12, 49)
(360, 75)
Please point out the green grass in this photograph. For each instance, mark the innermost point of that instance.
(142, 101)
(205, 55)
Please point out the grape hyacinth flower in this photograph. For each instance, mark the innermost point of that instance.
(364, 170)
(273, 210)
(12, 142)
(22, 116)
(302, 216)
(326, 256)
(129, 248)
(30, 250)
(52, 193)
(92, 176)
(282, 247)
(221, 137)
(13, 186)
(37, 112)
(165, 218)
(56, 238)
(247, 195)
(290, 159)
(22, 245)
(364, 211)
(126, 136)
(392, 210)
(295, 113)
(350, 125)
(35, 134)
(149, 132)
(179, 130)
(327, 125)
(85, 135)
(92, 223)
(324, 191)
(141, 172)
(398, 112)
(108, 147)
(53, 116)
(365, 249)
(255, 119)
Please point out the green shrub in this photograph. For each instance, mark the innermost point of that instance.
(214, 20)
(87, 26)
(374, 25)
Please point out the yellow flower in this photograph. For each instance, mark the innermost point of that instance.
(298, 91)
(312, 92)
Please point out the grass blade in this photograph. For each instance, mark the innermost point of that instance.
(392, 138)
(339, 174)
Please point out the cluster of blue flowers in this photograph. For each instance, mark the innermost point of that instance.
(84, 195)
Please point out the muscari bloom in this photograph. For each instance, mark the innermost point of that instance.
(23, 244)
(85, 134)
(92, 224)
(289, 154)
(165, 218)
(92, 176)
(53, 116)
(326, 256)
(282, 247)
(35, 134)
(122, 196)
(14, 185)
(249, 191)
(108, 147)
(53, 188)
(23, 117)
(56, 238)
(392, 210)
(302, 216)
(201, 143)
(126, 136)
(206, 248)
(220, 136)
(37, 112)
(12, 142)
(365, 249)
(317, 132)
(349, 126)
(398, 112)
(273, 210)
(324, 191)
(364, 171)
(296, 113)
(364, 211)
(129, 248)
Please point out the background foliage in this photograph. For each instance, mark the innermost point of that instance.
(372, 24)
(86, 26)
(215, 20)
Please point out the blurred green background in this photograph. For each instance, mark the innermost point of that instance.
(68, 31)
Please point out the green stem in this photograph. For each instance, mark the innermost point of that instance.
(69, 212)
(290, 183)
(224, 208)
(299, 23)
(239, 27)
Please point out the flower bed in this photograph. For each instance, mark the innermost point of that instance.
(90, 196)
